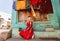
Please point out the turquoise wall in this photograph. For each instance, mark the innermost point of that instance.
(57, 7)
(58, 11)
(53, 22)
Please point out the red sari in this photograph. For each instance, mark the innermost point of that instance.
(28, 32)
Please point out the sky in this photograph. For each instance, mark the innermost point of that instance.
(6, 6)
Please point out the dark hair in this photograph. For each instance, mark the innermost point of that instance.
(29, 16)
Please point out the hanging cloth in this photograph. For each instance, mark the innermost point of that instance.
(33, 2)
(46, 7)
(21, 4)
(32, 11)
(14, 5)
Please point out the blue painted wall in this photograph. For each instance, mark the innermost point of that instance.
(53, 22)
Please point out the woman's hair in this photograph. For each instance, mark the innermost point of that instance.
(29, 16)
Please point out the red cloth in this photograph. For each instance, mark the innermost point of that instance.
(45, 6)
(27, 33)
(34, 1)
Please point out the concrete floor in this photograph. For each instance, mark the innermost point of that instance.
(19, 39)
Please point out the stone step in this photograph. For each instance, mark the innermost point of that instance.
(51, 33)
(41, 39)
(40, 34)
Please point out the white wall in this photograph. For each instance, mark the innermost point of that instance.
(5, 16)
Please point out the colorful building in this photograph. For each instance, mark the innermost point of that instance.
(42, 22)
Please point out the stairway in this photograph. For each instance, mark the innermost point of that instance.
(39, 34)
(42, 39)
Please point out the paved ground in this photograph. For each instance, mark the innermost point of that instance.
(18, 39)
